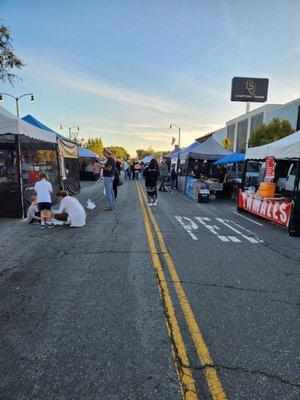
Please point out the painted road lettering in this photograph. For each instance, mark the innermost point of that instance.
(216, 227)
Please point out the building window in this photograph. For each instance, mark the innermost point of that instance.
(256, 122)
(230, 137)
(242, 136)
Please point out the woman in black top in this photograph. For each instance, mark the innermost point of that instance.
(151, 174)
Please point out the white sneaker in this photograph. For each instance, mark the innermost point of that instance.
(150, 204)
(155, 204)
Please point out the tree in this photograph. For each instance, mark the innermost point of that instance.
(268, 133)
(119, 152)
(94, 145)
(159, 154)
(144, 153)
(8, 60)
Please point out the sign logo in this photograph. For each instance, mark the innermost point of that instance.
(251, 87)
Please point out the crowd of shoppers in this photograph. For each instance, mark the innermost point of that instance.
(72, 212)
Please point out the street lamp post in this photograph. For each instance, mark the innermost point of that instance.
(17, 99)
(178, 127)
(69, 128)
(18, 144)
(178, 161)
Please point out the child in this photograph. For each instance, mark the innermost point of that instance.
(151, 176)
(43, 189)
(173, 178)
(33, 213)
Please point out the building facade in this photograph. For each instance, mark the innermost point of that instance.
(238, 130)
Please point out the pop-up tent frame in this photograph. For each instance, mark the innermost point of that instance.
(15, 135)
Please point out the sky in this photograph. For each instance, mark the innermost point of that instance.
(123, 70)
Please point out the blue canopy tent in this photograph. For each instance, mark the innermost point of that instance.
(86, 153)
(231, 159)
(67, 151)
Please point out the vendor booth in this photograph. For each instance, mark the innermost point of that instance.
(277, 195)
(196, 169)
(67, 155)
(86, 161)
(25, 152)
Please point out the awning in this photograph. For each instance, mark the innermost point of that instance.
(10, 124)
(66, 147)
(232, 158)
(285, 148)
(86, 153)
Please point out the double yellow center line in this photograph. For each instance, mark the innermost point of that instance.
(186, 380)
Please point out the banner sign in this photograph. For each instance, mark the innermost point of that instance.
(249, 89)
(193, 187)
(270, 168)
(278, 211)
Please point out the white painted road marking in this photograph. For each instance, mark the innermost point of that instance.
(189, 225)
(249, 219)
(188, 228)
(250, 239)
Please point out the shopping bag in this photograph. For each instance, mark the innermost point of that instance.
(90, 205)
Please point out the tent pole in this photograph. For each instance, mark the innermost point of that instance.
(20, 172)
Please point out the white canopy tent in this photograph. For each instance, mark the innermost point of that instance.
(209, 150)
(285, 148)
(10, 124)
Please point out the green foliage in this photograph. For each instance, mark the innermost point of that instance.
(94, 145)
(150, 152)
(268, 133)
(159, 154)
(144, 153)
(8, 60)
(119, 152)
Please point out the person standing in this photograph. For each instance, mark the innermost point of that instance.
(109, 171)
(43, 189)
(163, 171)
(97, 171)
(137, 170)
(132, 171)
(151, 176)
(125, 169)
(173, 177)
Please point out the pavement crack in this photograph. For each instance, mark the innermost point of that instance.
(269, 375)
(224, 286)
(266, 244)
(9, 269)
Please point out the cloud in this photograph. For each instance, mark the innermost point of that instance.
(67, 78)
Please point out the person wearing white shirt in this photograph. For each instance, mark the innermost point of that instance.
(70, 210)
(43, 189)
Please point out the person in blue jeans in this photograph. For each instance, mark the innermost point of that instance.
(109, 175)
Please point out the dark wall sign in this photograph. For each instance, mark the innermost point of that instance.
(249, 89)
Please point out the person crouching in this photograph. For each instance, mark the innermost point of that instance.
(33, 213)
(70, 210)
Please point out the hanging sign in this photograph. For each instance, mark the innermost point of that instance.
(270, 168)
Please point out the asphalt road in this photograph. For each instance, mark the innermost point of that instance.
(81, 315)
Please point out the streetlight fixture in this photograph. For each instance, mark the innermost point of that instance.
(69, 128)
(17, 99)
